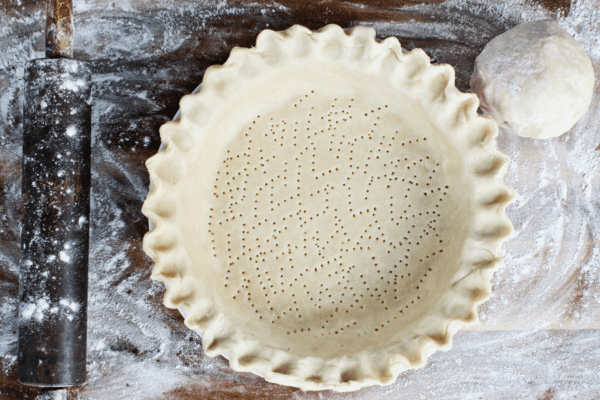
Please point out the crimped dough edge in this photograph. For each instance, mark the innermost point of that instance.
(471, 286)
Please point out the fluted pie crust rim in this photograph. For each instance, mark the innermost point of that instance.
(455, 115)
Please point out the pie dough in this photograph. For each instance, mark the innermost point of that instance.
(328, 211)
(534, 79)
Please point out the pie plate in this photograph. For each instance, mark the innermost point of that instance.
(329, 210)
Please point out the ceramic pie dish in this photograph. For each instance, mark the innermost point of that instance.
(329, 210)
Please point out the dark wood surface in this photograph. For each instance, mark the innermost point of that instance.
(145, 56)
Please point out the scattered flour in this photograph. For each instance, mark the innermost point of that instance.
(71, 131)
(139, 350)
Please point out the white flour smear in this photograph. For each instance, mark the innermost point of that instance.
(137, 349)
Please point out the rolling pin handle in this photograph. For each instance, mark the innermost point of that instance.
(59, 29)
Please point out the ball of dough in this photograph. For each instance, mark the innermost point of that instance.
(534, 79)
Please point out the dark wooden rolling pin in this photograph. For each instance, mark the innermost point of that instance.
(56, 204)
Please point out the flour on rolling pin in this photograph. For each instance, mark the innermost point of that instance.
(56, 204)
(55, 240)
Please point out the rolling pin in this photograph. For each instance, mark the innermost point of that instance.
(53, 282)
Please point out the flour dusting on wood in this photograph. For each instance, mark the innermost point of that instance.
(539, 332)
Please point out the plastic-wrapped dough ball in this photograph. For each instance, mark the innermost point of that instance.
(534, 79)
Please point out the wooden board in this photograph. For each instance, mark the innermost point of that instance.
(539, 335)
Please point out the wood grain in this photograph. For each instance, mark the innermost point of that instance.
(59, 29)
(147, 54)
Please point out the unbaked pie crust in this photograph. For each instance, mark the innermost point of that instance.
(329, 210)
